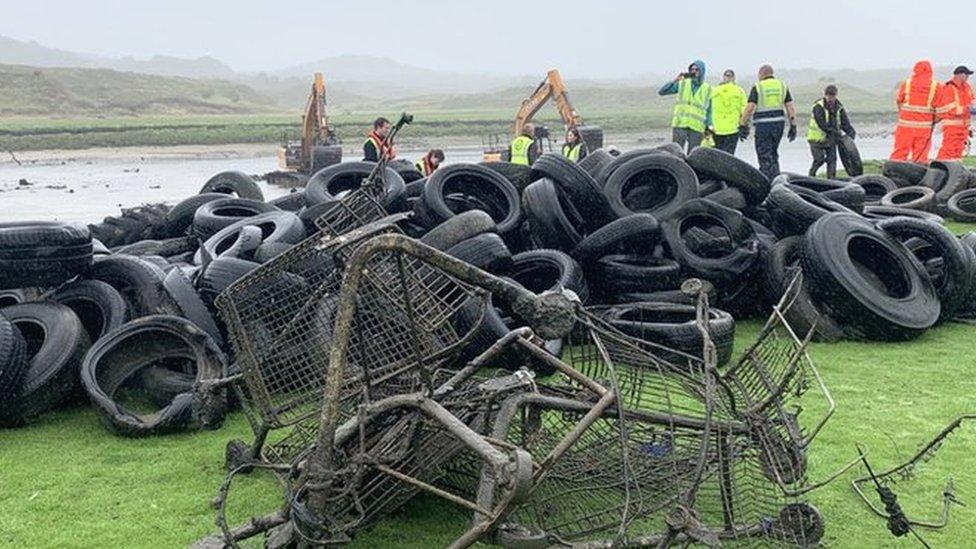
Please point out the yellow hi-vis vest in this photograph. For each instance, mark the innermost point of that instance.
(728, 102)
(814, 133)
(520, 150)
(572, 151)
(690, 109)
(771, 94)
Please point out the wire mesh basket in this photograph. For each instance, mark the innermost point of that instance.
(280, 321)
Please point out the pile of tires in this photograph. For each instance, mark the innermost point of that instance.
(946, 188)
(83, 316)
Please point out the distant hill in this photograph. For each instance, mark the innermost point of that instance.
(80, 92)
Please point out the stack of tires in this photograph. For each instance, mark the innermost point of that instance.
(946, 188)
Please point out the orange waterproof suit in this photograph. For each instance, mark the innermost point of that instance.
(916, 99)
(956, 101)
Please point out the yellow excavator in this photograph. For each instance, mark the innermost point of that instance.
(552, 87)
(317, 147)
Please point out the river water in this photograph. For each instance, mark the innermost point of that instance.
(87, 186)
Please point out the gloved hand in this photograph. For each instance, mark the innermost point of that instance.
(743, 132)
(791, 136)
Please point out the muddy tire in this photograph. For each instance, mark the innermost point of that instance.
(42, 253)
(884, 212)
(517, 174)
(191, 305)
(552, 218)
(632, 234)
(277, 226)
(875, 187)
(180, 218)
(213, 216)
(722, 268)
(13, 364)
(958, 264)
(486, 251)
(459, 228)
(962, 206)
(139, 282)
(905, 174)
(125, 351)
(850, 156)
(583, 191)
(291, 202)
(220, 274)
(99, 306)
(330, 184)
(673, 326)
(235, 183)
(657, 184)
(460, 187)
(911, 198)
(794, 208)
(869, 281)
(56, 343)
(636, 274)
(711, 163)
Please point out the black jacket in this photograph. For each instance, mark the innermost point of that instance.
(826, 118)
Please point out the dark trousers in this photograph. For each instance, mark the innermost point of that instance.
(726, 143)
(768, 136)
(688, 139)
(824, 152)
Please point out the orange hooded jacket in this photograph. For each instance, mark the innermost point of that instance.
(918, 97)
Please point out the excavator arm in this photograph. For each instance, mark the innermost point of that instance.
(315, 125)
(550, 88)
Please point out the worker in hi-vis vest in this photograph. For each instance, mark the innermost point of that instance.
(524, 149)
(769, 106)
(828, 119)
(375, 145)
(429, 162)
(728, 102)
(692, 109)
(574, 148)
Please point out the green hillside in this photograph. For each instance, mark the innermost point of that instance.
(98, 93)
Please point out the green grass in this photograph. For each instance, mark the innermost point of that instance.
(67, 482)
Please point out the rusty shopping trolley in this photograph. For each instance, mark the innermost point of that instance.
(346, 345)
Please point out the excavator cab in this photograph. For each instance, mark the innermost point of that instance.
(496, 148)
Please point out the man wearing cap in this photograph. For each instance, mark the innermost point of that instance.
(827, 119)
(955, 111)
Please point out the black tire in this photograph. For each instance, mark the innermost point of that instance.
(633, 234)
(875, 187)
(309, 214)
(911, 198)
(122, 353)
(544, 270)
(620, 160)
(794, 208)
(191, 306)
(324, 156)
(710, 163)
(594, 163)
(957, 179)
(485, 251)
(406, 169)
(884, 212)
(161, 248)
(13, 364)
(268, 251)
(518, 175)
(461, 227)
(665, 296)
(36, 253)
(673, 326)
(486, 187)
(958, 261)
(906, 174)
(236, 183)
(19, 295)
(730, 198)
(933, 179)
(56, 343)
(291, 202)
(220, 274)
(553, 220)
(718, 269)
(846, 194)
(583, 191)
(180, 218)
(332, 183)
(621, 274)
(99, 306)
(416, 188)
(276, 226)
(850, 156)
(802, 313)
(139, 282)
(867, 280)
(657, 184)
(962, 206)
(213, 216)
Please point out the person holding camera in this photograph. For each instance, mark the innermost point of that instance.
(827, 119)
(693, 108)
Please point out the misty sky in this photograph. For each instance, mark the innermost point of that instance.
(584, 39)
